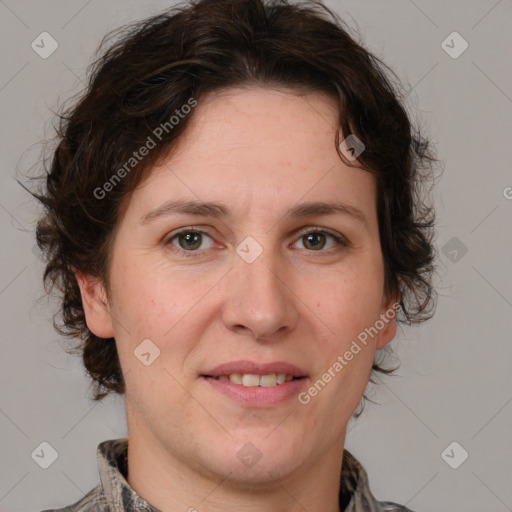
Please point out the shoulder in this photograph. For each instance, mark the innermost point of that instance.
(93, 501)
(388, 506)
(355, 490)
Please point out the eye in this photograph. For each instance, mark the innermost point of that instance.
(188, 241)
(315, 240)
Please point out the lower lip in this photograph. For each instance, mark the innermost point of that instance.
(257, 396)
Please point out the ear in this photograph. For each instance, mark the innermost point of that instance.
(95, 304)
(388, 314)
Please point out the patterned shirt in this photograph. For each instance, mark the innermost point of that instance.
(114, 494)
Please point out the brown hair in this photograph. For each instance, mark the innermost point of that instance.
(146, 72)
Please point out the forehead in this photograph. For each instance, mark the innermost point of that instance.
(249, 119)
(258, 147)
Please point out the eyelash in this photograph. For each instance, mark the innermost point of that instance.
(340, 240)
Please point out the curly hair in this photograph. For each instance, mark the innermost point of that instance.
(143, 75)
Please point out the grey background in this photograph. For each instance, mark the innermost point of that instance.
(454, 383)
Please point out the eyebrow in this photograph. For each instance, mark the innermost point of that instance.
(220, 210)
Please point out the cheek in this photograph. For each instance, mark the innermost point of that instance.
(353, 302)
(150, 302)
(168, 309)
(348, 308)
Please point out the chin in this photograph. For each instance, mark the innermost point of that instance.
(258, 462)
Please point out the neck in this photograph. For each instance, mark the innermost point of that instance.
(169, 482)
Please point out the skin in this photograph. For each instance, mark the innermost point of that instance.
(260, 151)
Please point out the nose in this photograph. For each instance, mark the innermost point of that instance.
(259, 299)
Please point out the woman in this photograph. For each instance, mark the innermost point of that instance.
(233, 219)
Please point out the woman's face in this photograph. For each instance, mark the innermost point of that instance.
(243, 286)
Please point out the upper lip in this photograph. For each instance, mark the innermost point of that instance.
(244, 366)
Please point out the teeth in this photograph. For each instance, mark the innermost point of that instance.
(267, 380)
(251, 380)
(236, 378)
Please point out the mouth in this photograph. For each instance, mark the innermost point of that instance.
(256, 385)
(250, 380)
